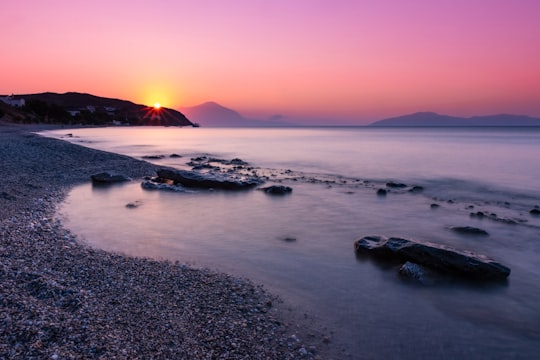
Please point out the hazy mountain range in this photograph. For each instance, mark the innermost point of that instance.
(434, 119)
(211, 114)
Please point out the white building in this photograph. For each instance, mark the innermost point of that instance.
(11, 101)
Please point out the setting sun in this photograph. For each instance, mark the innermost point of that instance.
(157, 106)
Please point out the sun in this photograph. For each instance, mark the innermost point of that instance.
(157, 106)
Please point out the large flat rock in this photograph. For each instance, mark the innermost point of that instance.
(209, 179)
(438, 257)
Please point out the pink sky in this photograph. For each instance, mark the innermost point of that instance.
(347, 61)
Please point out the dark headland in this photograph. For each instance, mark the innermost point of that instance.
(60, 299)
(86, 109)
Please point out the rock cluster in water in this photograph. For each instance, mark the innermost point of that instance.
(214, 180)
(434, 256)
(495, 217)
(399, 187)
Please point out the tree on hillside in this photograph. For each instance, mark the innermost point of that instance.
(48, 113)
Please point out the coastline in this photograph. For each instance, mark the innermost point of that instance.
(61, 299)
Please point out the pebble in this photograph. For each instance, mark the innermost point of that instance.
(61, 299)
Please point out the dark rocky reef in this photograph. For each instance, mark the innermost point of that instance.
(214, 180)
(276, 190)
(495, 217)
(393, 184)
(434, 256)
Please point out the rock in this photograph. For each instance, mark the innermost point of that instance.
(175, 156)
(434, 206)
(277, 190)
(478, 214)
(434, 256)
(392, 184)
(416, 189)
(237, 161)
(469, 230)
(156, 185)
(153, 157)
(412, 271)
(133, 205)
(493, 216)
(202, 166)
(107, 177)
(199, 158)
(381, 192)
(209, 180)
(535, 212)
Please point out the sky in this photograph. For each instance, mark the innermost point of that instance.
(334, 61)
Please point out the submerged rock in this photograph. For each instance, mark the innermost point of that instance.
(469, 230)
(416, 189)
(434, 256)
(133, 205)
(535, 212)
(392, 184)
(108, 177)
(156, 185)
(412, 271)
(277, 190)
(381, 192)
(495, 217)
(213, 180)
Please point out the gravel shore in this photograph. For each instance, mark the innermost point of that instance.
(60, 299)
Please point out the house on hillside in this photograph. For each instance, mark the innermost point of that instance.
(12, 101)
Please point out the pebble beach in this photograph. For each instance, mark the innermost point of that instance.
(60, 299)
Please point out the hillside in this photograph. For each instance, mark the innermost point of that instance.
(82, 108)
(434, 119)
(212, 114)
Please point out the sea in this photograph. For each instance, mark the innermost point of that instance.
(300, 246)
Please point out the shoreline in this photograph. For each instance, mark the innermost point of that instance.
(62, 299)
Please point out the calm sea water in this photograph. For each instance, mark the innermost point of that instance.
(334, 173)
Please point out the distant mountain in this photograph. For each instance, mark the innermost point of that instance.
(115, 109)
(212, 114)
(434, 119)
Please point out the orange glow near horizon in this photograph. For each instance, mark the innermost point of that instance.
(157, 106)
(370, 60)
